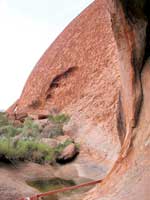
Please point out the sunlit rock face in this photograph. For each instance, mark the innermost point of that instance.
(79, 75)
(96, 71)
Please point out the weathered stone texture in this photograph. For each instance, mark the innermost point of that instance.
(79, 74)
(93, 72)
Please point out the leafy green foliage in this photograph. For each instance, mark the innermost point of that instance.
(22, 143)
(26, 150)
(25, 146)
(28, 130)
(6, 127)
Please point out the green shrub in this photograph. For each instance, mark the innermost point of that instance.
(59, 119)
(22, 143)
(30, 129)
(3, 119)
(58, 123)
(7, 128)
(26, 146)
(55, 131)
(9, 131)
(26, 150)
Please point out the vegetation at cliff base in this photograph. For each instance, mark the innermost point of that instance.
(24, 142)
(58, 122)
(25, 150)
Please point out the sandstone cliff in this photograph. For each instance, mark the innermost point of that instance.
(97, 71)
(79, 74)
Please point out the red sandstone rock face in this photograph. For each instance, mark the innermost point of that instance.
(93, 72)
(131, 178)
(79, 74)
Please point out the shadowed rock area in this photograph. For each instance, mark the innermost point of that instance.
(97, 71)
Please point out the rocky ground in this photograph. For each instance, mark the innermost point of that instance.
(13, 177)
(75, 162)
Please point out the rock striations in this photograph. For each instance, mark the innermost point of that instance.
(97, 71)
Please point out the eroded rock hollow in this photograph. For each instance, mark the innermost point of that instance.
(98, 72)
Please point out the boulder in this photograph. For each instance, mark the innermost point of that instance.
(68, 153)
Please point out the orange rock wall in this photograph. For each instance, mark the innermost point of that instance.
(93, 72)
(79, 74)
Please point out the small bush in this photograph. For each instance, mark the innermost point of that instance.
(30, 129)
(26, 150)
(9, 131)
(58, 123)
(55, 131)
(3, 119)
(59, 119)
(6, 127)
(26, 146)
(23, 143)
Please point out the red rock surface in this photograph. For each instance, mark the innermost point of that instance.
(130, 178)
(93, 73)
(79, 74)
